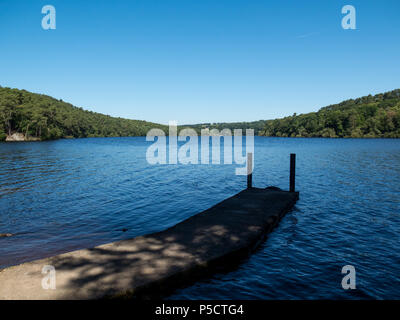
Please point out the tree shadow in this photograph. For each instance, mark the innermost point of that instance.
(152, 266)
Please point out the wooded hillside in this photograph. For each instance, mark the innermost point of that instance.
(43, 117)
(367, 117)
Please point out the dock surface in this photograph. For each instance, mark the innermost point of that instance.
(227, 230)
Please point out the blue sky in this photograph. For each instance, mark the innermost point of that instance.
(200, 61)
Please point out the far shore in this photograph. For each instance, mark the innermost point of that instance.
(20, 137)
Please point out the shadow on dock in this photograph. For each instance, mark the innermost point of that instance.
(154, 265)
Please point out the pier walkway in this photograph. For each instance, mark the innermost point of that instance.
(155, 262)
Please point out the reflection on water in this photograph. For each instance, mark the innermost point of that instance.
(64, 195)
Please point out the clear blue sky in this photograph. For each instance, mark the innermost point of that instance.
(203, 60)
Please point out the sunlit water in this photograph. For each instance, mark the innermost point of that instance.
(64, 195)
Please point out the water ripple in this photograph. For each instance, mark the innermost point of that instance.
(64, 195)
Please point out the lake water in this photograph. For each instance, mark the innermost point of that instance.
(64, 195)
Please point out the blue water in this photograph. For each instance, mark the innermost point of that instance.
(63, 195)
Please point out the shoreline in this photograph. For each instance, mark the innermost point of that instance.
(34, 139)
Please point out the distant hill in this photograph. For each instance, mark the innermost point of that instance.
(30, 116)
(367, 117)
(258, 126)
(39, 117)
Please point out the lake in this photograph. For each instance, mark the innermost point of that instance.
(59, 196)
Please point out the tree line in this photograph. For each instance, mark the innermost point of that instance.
(375, 116)
(43, 117)
(257, 126)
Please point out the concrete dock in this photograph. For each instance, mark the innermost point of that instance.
(155, 262)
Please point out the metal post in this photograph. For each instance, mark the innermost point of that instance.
(249, 170)
(292, 171)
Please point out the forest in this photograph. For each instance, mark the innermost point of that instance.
(40, 117)
(257, 126)
(375, 116)
(45, 118)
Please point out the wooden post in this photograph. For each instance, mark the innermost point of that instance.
(292, 171)
(249, 170)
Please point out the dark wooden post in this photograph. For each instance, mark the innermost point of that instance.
(292, 171)
(249, 170)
